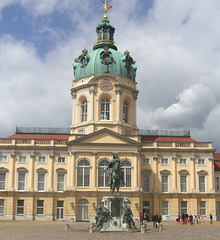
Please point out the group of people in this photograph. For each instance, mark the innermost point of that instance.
(156, 219)
(185, 218)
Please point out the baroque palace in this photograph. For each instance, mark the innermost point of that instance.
(58, 174)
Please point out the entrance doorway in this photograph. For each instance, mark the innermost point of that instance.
(83, 210)
(218, 211)
(60, 210)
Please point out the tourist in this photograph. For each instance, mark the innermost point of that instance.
(154, 219)
(202, 220)
(145, 220)
(141, 218)
(210, 216)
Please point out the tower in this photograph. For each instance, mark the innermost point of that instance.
(104, 88)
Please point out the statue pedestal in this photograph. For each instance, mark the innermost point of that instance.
(116, 205)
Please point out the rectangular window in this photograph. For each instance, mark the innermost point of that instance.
(183, 207)
(164, 183)
(21, 181)
(2, 207)
(146, 161)
(40, 207)
(61, 160)
(146, 183)
(201, 161)
(42, 159)
(183, 161)
(202, 183)
(2, 181)
(81, 131)
(202, 208)
(60, 182)
(217, 184)
(164, 161)
(20, 207)
(41, 181)
(183, 183)
(3, 159)
(22, 159)
(165, 208)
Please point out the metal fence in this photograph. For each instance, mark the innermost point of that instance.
(157, 132)
(45, 130)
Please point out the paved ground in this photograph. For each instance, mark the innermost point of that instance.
(34, 230)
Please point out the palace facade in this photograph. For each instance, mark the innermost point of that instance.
(58, 174)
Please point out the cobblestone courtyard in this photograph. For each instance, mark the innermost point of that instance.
(21, 230)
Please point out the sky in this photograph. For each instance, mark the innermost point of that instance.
(176, 45)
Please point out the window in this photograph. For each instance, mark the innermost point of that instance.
(22, 159)
(125, 112)
(183, 161)
(165, 208)
(105, 109)
(217, 184)
(128, 132)
(61, 160)
(42, 159)
(84, 111)
(40, 207)
(183, 207)
(2, 207)
(83, 173)
(3, 159)
(103, 177)
(164, 161)
(202, 208)
(201, 161)
(21, 181)
(60, 182)
(183, 183)
(2, 181)
(126, 169)
(20, 207)
(81, 131)
(146, 183)
(146, 161)
(41, 181)
(201, 183)
(164, 183)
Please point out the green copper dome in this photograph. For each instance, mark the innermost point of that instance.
(104, 58)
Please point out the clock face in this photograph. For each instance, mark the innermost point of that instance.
(105, 85)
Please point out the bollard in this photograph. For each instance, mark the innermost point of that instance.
(67, 227)
(142, 229)
(91, 229)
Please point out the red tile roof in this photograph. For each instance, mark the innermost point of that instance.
(40, 136)
(167, 139)
(217, 161)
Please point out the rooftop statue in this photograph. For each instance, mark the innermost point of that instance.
(116, 174)
(106, 7)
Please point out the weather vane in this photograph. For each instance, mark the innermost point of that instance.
(106, 7)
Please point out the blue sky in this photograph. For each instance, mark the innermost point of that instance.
(175, 44)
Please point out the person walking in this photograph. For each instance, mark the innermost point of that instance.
(210, 216)
(141, 219)
(145, 220)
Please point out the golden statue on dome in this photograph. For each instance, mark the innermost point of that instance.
(106, 7)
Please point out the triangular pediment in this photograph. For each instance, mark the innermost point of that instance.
(104, 136)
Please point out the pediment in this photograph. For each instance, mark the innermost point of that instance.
(104, 136)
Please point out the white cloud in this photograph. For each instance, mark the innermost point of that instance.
(191, 111)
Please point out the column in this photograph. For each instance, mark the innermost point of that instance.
(31, 186)
(72, 160)
(136, 187)
(92, 92)
(156, 175)
(211, 175)
(193, 175)
(74, 96)
(12, 173)
(51, 173)
(118, 92)
(94, 171)
(174, 175)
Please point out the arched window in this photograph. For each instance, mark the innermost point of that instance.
(84, 111)
(105, 109)
(83, 173)
(126, 168)
(103, 177)
(125, 112)
(83, 210)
